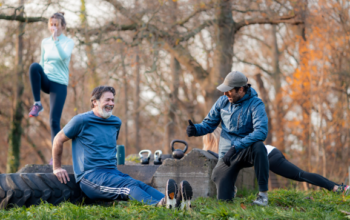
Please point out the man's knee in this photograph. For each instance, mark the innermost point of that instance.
(213, 176)
(259, 147)
(221, 174)
(217, 171)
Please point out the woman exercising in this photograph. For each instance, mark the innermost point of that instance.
(280, 165)
(52, 74)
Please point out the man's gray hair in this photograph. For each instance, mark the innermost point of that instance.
(98, 91)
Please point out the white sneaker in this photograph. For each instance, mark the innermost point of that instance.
(261, 200)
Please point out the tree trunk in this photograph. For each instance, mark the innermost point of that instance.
(126, 109)
(265, 98)
(173, 96)
(277, 74)
(91, 63)
(223, 52)
(13, 158)
(137, 102)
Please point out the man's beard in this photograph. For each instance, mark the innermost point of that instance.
(102, 111)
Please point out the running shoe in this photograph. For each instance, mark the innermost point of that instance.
(170, 194)
(184, 196)
(35, 110)
(261, 200)
(343, 189)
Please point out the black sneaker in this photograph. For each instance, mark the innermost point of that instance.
(184, 196)
(170, 193)
(343, 189)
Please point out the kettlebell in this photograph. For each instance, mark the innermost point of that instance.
(178, 153)
(145, 160)
(157, 157)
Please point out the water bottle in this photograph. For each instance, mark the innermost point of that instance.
(120, 155)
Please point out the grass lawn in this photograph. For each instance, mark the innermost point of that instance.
(283, 204)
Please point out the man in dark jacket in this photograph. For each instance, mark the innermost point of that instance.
(244, 128)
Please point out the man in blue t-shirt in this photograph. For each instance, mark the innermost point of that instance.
(94, 137)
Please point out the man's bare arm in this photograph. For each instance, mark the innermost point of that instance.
(57, 150)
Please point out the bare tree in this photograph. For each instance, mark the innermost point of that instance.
(91, 58)
(15, 135)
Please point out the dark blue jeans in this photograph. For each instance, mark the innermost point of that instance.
(112, 184)
(58, 94)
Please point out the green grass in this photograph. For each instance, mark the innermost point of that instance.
(283, 204)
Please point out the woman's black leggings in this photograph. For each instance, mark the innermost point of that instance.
(281, 166)
(58, 94)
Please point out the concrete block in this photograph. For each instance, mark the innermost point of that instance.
(196, 167)
(140, 172)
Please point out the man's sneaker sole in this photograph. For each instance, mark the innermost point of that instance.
(186, 195)
(171, 193)
(259, 204)
(37, 114)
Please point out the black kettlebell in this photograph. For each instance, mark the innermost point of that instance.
(178, 153)
(145, 160)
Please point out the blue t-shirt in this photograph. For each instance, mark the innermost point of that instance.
(94, 142)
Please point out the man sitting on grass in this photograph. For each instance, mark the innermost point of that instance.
(94, 137)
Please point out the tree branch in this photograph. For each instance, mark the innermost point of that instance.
(196, 30)
(177, 50)
(107, 28)
(283, 19)
(257, 39)
(21, 18)
(183, 21)
(253, 64)
(246, 11)
(123, 11)
(186, 59)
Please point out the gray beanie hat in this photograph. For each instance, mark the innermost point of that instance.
(232, 80)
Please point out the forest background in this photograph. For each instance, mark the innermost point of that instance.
(165, 59)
